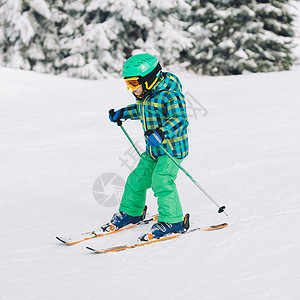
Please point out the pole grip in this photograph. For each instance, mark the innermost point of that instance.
(112, 113)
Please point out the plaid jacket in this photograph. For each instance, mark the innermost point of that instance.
(164, 107)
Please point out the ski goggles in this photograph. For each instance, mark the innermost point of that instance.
(132, 83)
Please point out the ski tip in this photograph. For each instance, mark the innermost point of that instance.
(64, 242)
(216, 227)
(95, 251)
(89, 248)
(61, 240)
(111, 249)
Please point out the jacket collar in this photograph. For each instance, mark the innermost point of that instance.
(154, 89)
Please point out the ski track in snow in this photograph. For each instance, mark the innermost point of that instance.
(56, 140)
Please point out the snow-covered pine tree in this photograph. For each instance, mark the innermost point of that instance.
(71, 51)
(232, 37)
(92, 38)
(165, 33)
(296, 6)
(276, 37)
(39, 35)
(117, 29)
(2, 33)
(103, 43)
(25, 23)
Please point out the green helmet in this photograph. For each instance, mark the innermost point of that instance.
(139, 65)
(145, 66)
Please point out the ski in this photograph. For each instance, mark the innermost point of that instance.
(99, 233)
(165, 238)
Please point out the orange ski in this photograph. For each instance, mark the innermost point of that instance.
(99, 233)
(164, 238)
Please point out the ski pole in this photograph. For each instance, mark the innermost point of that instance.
(130, 140)
(221, 208)
(119, 123)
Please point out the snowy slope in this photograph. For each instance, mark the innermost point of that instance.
(56, 140)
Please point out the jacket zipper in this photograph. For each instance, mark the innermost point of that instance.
(145, 127)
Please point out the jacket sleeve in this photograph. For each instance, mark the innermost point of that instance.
(176, 115)
(131, 112)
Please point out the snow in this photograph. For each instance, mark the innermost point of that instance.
(56, 140)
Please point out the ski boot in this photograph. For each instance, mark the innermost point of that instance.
(121, 219)
(161, 229)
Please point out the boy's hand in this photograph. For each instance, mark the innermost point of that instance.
(115, 116)
(155, 137)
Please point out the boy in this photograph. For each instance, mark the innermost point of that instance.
(161, 108)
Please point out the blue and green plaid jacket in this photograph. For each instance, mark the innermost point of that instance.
(164, 107)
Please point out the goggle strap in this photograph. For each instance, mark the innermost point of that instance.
(150, 87)
(131, 78)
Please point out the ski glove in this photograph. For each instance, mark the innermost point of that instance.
(155, 137)
(115, 116)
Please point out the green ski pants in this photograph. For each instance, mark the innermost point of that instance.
(160, 175)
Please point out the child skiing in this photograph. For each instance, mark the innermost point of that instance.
(161, 108)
